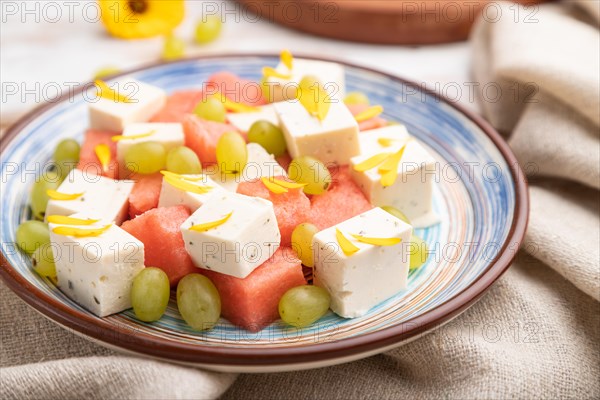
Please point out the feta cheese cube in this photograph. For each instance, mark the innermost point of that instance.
(412, 191)
(109, 114)
(102, 197)
(330, 75)
(333, 140)
(97, 272)
(260, 163)
(243, 121)
(373, 274)
(246, 240)
(174, 196)
(170, 135)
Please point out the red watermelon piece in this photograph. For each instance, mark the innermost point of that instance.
(284, 160)
(202, 136)
(252, 303)
(178, 105)
(159, 230)
(342, 201)
(373, 123)
(88, 161)
(235, 88)
(291, 208)
(144, 195)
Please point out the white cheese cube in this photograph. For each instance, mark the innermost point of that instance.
(174, 196)
(97, 272)
(170, 135)
(330, 75)
(246, 240)
(243, 121)
(109, 114)
(260, 163)
(373, 274)
(412, 191)
(102, 198)
(333, 140)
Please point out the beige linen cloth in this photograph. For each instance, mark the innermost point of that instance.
(536, 334)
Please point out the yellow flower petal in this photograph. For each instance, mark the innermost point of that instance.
(183, 177)
(118, 138)
(210, 225)
(236, 107)
(378, 241)
(270, 72)
(80, 232)
(103, 153)
(371, 162)
(315, 100)
(323, 106)
(110, 94)
(388, 178)
(392, 162)
(273, 187)
(54, 195)
(346, 245)
(369, 113)
(64, 220)
(385, 142)
(187, 186)
(287, 184)
(287, 59)
(134, 19)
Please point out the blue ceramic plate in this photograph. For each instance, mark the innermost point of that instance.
(479, 194)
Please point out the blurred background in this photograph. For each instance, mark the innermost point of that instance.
(59, 42)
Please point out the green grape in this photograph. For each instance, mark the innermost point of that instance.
(396, 213)
(311, 171)
(211, 109)
(39, 195)
(106, 71)
(303, 305)
(42, 261)
(66, 156)
(208, 29)
(145, 157)
(183, 160)
(173, 48)
(418, 252)
(309, 82)
(302, 242)
(232, 153)
(355, 98)
(268, 136)
(31, 235)
(198, 301)
(150, 294)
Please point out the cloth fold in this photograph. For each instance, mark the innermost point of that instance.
(534, 335)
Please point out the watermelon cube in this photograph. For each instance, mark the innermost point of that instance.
(202, 136)
(159, 230)
(342, 201)
(145, 193)
(88, 160)
(252, 302)
(284, 160)
(372, 123)
(178, 105)
(291, 208)
(235, 88)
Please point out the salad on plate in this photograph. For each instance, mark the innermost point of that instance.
(252, 201)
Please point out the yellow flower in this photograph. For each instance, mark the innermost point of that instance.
(135, 19)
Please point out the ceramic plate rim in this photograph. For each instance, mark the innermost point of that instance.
(104, 332)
